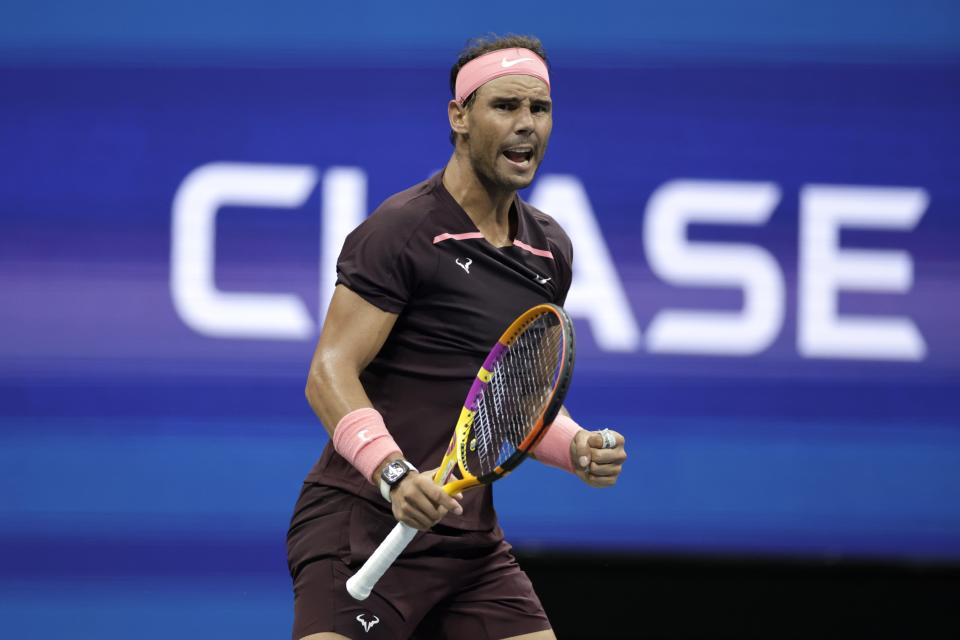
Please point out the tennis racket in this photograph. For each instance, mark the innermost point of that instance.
(511, 404)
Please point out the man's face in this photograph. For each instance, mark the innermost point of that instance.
(509, 125)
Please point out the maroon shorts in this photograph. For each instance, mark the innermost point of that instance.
(449, 583)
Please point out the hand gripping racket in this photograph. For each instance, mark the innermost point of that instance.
(511, 404)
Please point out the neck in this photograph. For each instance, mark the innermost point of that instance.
(487, 205)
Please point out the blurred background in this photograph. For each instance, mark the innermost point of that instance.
(763, 200)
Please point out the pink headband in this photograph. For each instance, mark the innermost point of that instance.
(502, 62)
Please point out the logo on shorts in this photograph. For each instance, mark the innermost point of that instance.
(464, 265)
(367, 624)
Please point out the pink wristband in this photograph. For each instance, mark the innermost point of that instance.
(554, 449)
(362, 438)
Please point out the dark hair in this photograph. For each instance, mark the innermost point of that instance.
(476, 47)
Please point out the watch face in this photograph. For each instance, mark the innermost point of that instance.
(393, 472)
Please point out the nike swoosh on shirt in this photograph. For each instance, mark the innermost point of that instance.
(506, 64)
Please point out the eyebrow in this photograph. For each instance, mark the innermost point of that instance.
(538, 101)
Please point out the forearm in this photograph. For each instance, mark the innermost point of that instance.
(353, 333)
(334, 390)
(556, 448)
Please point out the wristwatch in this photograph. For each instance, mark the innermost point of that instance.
(392, 474)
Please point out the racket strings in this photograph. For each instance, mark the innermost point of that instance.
(519, 390)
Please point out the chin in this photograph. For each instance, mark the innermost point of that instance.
(524, 182)
(517, 181)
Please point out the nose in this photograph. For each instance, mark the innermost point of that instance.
(524, 122)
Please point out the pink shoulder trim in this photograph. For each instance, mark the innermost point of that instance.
(476, 235)
(544, 253)
(472, 235)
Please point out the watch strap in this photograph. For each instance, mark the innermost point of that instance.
(385, 487)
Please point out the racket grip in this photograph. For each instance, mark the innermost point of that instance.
(362, 582)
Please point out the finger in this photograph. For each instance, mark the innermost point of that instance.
(610, 439)
(410, 516)
(424, 506)
(418, 522)
(424, 520)
(582, 448)
(605, 470)
(602, 482)
(608, 456)
(442, 498)
(618, 440)
(595, 440)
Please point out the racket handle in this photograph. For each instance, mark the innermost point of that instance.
(362, 582)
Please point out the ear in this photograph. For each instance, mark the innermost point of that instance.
(457, 115)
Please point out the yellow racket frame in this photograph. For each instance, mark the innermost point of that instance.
(456, 453)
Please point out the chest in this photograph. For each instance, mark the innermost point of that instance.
(475, 290)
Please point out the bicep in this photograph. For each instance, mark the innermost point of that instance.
(353, 332)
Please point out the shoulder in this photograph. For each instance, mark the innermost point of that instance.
(399, 220)
(552, 231)
(385, 257)
(405, 210)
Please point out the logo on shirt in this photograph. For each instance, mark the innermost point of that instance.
(540, 279)
(465, 265)
(367, 624)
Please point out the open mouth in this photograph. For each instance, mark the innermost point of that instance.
(520, 156)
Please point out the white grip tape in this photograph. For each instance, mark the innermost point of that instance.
(362, 582)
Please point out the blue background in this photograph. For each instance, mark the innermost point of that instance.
(138, 456)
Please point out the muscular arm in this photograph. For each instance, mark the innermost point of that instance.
(353, 333)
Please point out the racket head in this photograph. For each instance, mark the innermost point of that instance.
(515, 397)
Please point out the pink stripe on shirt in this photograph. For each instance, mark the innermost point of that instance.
(472, 235)
(476, 235)
(537, 252)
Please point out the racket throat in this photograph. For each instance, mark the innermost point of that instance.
(443, 473)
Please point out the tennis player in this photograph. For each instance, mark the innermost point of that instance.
(425, 287)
